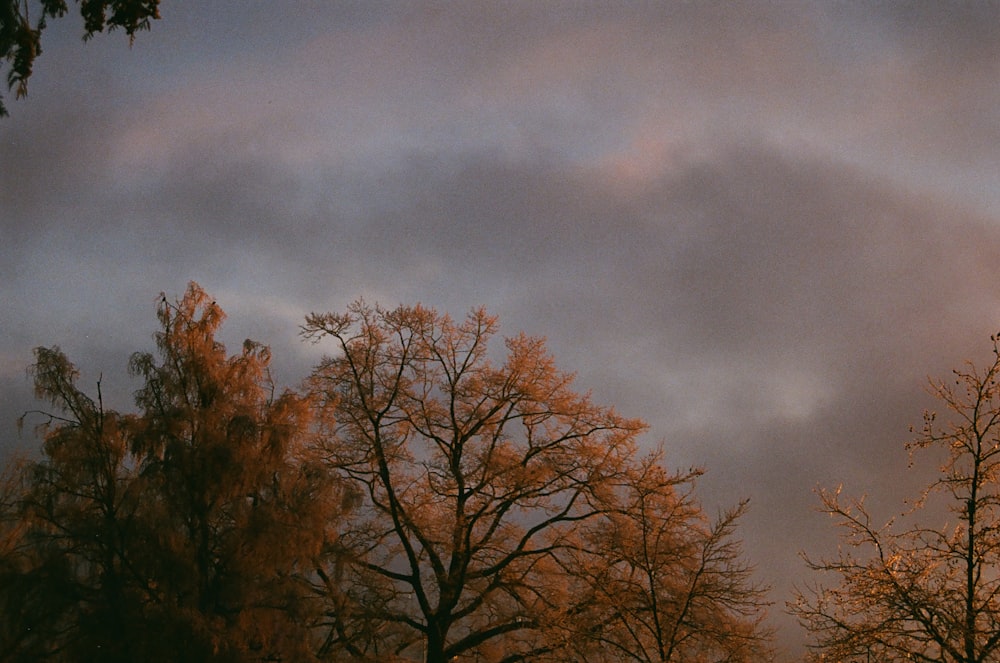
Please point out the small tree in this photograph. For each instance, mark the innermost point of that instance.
(33, 600)
(665, 583)
(78, 512)
(913, 593)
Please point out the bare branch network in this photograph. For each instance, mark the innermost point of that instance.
(423, 496)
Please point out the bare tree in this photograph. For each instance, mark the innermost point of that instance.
(474, 476)
(668, 584)
(494, 499)
(906, 592)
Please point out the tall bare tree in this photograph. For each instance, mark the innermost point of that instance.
(474, 476)
(908, 592)
(493, 504)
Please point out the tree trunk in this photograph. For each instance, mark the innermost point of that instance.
(436, 632)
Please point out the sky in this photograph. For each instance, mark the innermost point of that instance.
(758, 226)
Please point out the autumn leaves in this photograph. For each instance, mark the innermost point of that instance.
(426, 495)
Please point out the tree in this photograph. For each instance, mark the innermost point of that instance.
(913, 593)
(21, 39)
(78, 508)
(186, 525)
(473, 478)
(424, 498)
(31, 600)
(238, 502)
(491, 500)
(667, 584)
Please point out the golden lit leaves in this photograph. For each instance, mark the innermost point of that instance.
(483, 481)
(428, 496)
(918, 592)
(209, 503)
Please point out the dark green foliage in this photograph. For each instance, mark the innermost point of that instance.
(21, 39)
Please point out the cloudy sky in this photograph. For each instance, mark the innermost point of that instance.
(758, 226)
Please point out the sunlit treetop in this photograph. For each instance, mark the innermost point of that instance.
(22, 23)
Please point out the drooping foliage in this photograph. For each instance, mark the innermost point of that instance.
(23, 21)
(184, 525)
(244, 506)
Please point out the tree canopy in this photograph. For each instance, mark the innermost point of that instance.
(497, 507)
(423, 496)
(184, 525)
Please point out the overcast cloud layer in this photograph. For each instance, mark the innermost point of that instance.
(758, 226)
